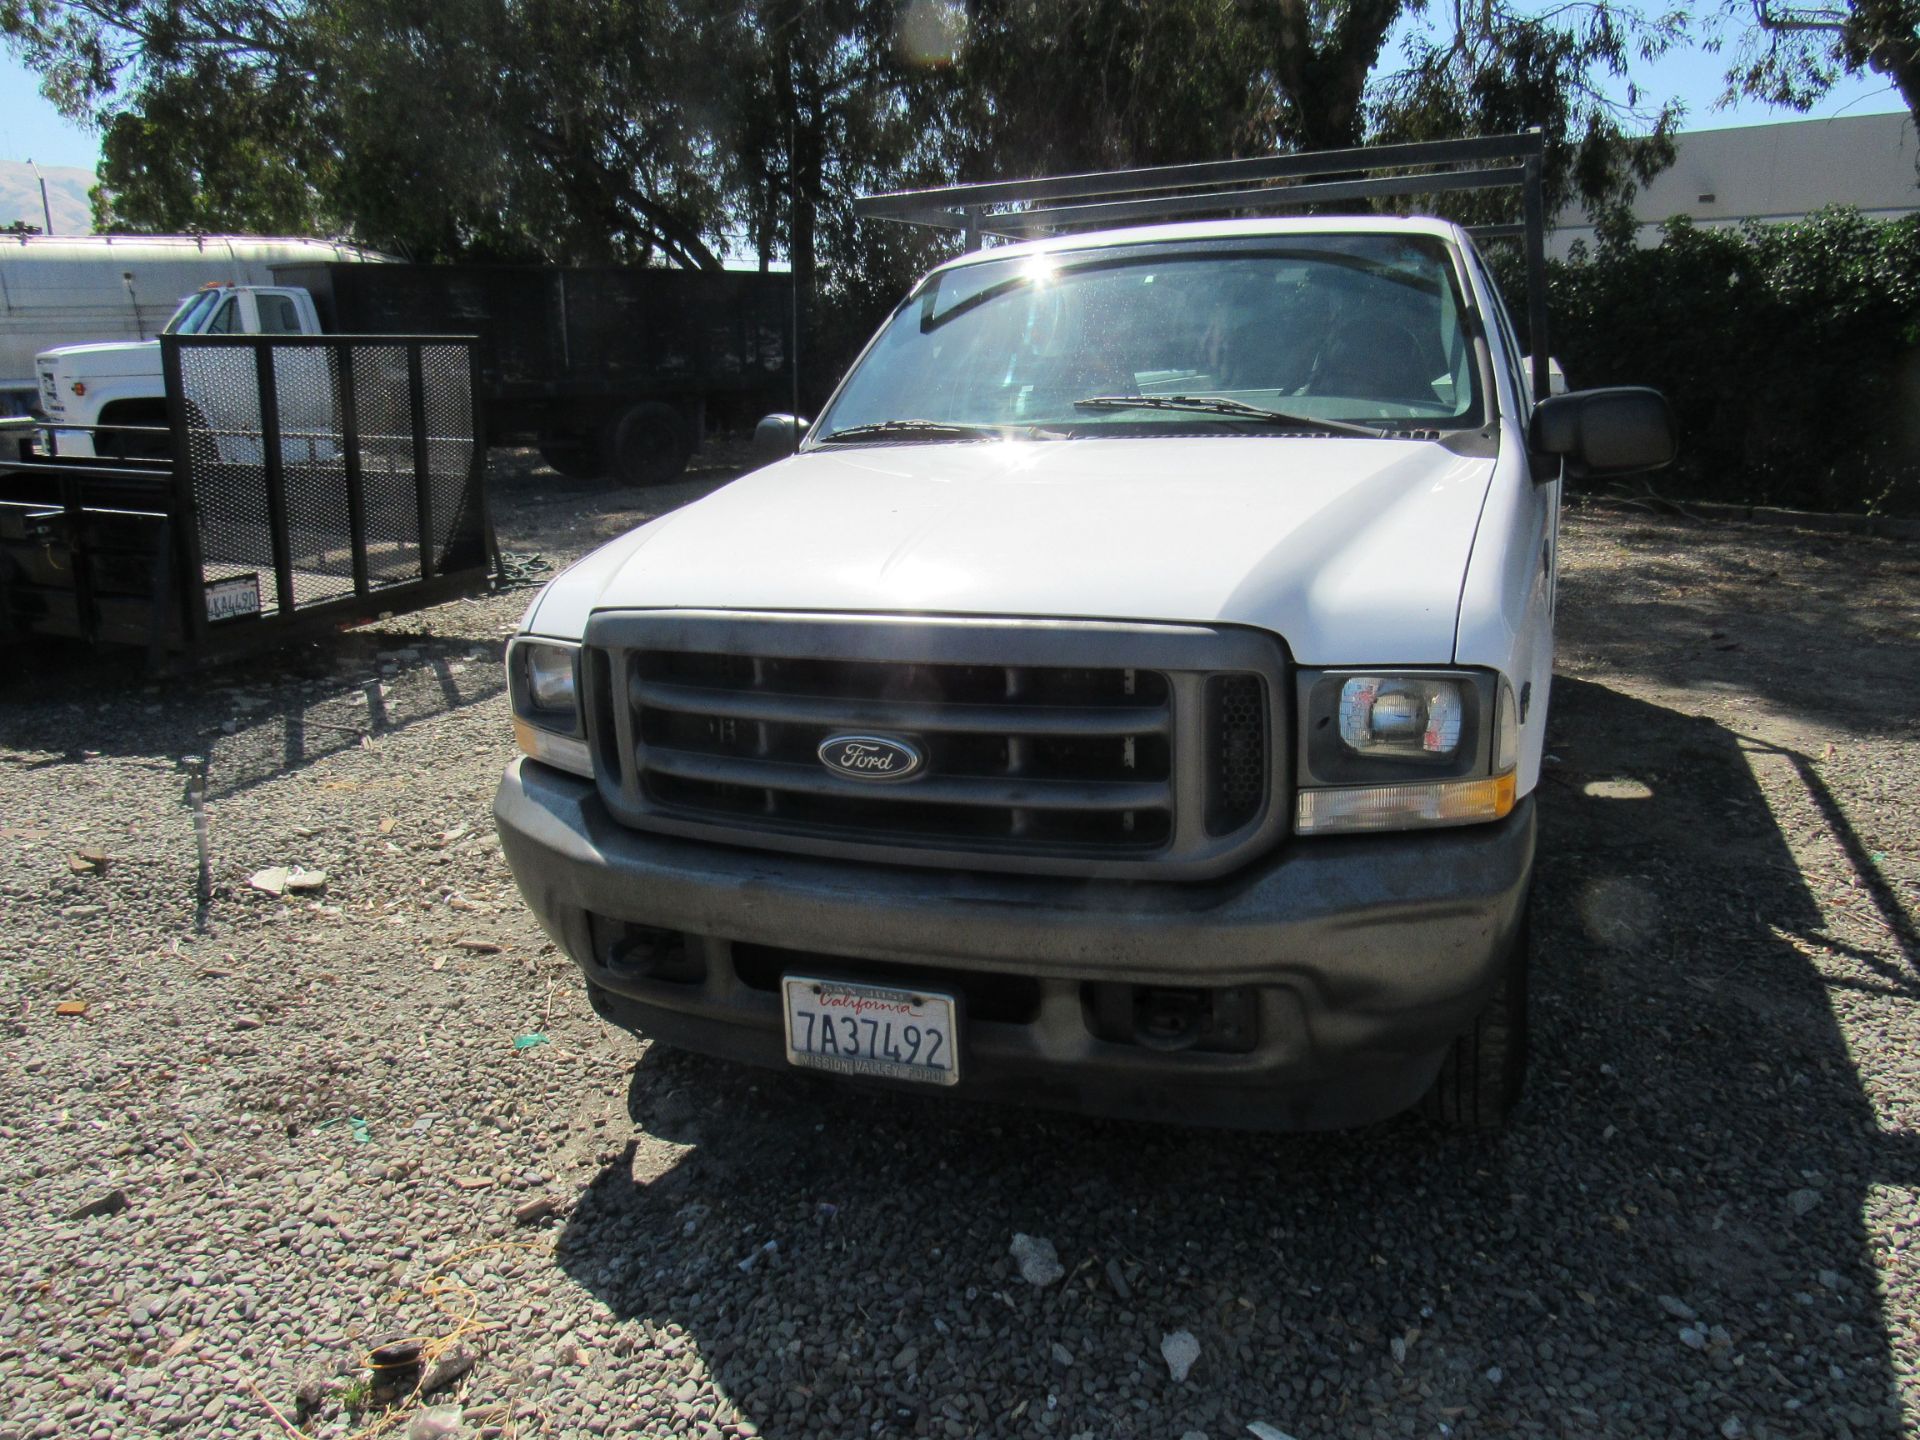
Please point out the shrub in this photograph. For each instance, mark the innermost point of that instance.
(1791, 353)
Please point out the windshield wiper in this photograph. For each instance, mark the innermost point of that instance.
(1221, 405)
(909, 429)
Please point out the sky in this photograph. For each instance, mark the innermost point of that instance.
(30, 128)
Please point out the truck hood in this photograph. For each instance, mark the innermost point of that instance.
(103, 359)
(1353, 550)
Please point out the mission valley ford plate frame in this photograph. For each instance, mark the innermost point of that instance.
(895, 1033)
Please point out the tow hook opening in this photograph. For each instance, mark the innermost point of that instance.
(645, 952)
(1172, 1018)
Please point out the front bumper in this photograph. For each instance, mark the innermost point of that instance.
(1358, 960)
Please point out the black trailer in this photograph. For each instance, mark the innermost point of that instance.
(313, 482)
(606, 369)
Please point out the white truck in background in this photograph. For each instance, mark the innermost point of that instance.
(608, 369)
(66, 290)
(92, 388)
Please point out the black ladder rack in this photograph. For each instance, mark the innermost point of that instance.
(1025, 209)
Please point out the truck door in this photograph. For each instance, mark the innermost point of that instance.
(303, 375)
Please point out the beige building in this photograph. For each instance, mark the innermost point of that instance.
(1775, 172)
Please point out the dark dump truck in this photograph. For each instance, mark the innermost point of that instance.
(609, 370)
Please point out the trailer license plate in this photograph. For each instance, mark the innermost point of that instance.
(871, 1030)
(233, 597)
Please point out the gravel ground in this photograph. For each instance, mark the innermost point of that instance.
(310, 1124)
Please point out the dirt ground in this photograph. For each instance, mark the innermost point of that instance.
(274, 1133)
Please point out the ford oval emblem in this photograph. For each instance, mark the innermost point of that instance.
(871, 757)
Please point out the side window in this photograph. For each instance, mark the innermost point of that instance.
(226, 320)
(278, 314)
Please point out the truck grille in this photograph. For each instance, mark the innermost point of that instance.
(1075, 748)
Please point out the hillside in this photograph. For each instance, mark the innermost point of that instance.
(67, 189)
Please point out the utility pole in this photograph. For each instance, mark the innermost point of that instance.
(46, 210)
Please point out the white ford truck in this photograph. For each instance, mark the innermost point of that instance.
(1129, 697)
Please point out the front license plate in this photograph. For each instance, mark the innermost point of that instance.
(872, 1030)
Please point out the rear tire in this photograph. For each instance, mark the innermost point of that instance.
(647, 444)
(1481, 1079)
(577, 459)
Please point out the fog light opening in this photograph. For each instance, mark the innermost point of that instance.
(1169, 1019)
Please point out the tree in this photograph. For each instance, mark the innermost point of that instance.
(1490, 68)
(544, 130)
(1320, 56)
(211, 148)
(1054, 86)
(1793, 54)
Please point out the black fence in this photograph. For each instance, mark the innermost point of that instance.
(313, 481)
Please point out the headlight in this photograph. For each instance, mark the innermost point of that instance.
(543, 680)
(550, 677)
(1395, 750)
(1401, 715)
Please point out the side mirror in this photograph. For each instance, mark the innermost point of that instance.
(777, 436)
(1605, 432)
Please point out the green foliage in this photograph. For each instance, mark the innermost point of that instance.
(1793, 54)
(1791, 354)
(1055, 86)
(210, 149)
(1507, 70)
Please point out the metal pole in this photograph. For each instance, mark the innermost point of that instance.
(422, 459)
(350, 457)
(275, 477)
(46, 210)
(80, 559)
(793, 268)
(1536, 221)
(477, 465)
(186, 509)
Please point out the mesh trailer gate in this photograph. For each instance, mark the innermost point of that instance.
(314, 481)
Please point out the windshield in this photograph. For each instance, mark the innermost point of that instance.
(1357, 328)
(192, 314)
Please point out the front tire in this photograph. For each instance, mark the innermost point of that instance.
(141, 443)
(1481, 1079)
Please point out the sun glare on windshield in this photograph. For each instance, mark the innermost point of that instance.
(1344, 330)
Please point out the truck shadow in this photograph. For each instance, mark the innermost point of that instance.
(1670, 1240)
(1719, 616)
(243, 724)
